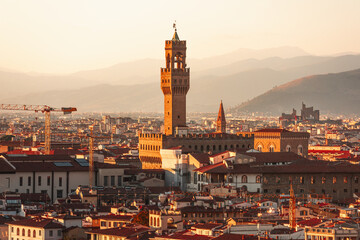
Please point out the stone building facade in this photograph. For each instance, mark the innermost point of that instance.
(150, 145)
(270, 174)
(280, 140)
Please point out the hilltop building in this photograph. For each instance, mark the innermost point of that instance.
(307, 114)
(175, 83)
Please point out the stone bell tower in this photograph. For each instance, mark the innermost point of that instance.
(175, 83)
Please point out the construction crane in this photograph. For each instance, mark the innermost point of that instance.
(91, 157)
(44, 109)
(91, 138)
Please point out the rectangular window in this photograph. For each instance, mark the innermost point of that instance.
(265, 190)
(39, 180)
(21, 181)
(103, 224)
(112, 181)
(29, 181)
(356, 190)
(48, 180)
(59, 193)
(60, 181)
(59, 233)
(277, 190)
(106, 180)
(356, 179)
(43, 191)
(345, 180)
(119, 180)
(51, 233)
(345, 190)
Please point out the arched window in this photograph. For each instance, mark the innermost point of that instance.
(207, 148)
(334, 179)
(300, 150)
(225, 147)
(34, 233)
(272, 148)
(230, 180)
(158, 222)
(244, 179)
(219, 147)
(23, 232)
(258, 179)
(151, 221)
(214, 148)
(196, 147)
(288, 148)
(259, 148)
(29, 233)
(323, 180)
(18, 231)
(231, 146)
(202, 148)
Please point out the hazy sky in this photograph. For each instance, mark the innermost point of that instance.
(61, 36)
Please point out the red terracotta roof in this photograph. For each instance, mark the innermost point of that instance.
(207, 168)
(186, 235)
(120, 232)
(208, 226)
(38, 223)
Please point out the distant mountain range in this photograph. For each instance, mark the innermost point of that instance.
(135, 86)
(331, 93)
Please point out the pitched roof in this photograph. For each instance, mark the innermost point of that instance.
(201, 157)
(188, 235)
(221, 114)
(38, 223)
(208, 226)
(120, 232)
(175, 36)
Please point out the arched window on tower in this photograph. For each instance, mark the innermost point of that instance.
(259, 148)
(178, 60)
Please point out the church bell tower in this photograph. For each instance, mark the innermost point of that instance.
(175, 83)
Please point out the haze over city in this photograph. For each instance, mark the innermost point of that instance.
(69, 36)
